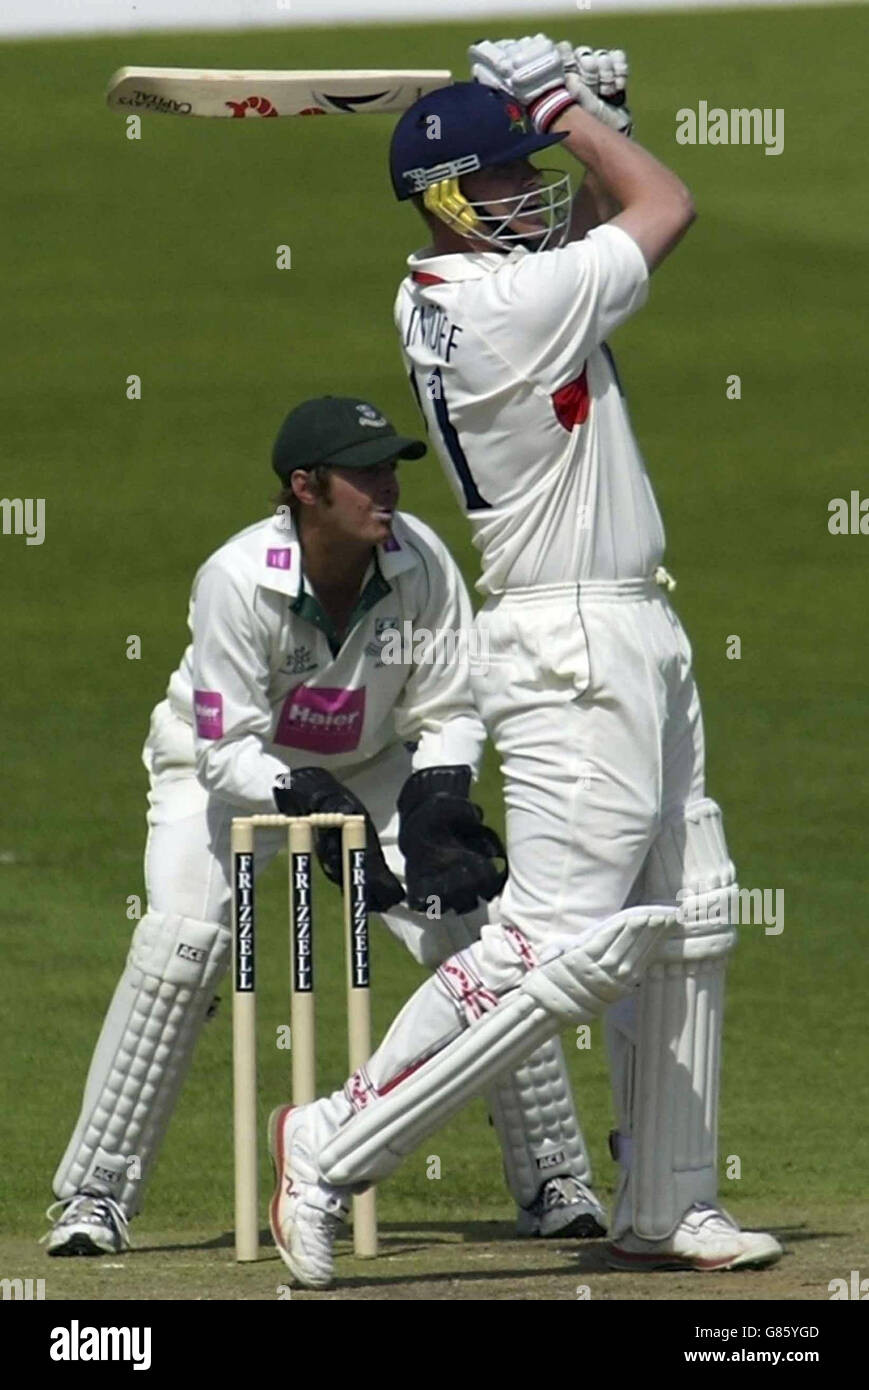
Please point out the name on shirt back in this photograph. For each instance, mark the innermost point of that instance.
(430, 326)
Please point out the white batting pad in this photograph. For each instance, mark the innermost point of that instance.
(395, 1113)
(665, 1042)
(534, 1115)
(532, 1109)
(142, 1056)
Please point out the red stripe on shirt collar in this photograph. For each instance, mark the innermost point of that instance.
(422, 277)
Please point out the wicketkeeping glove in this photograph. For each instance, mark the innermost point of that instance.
(529, 69)
(314, 791)
(596, 78)
(449, 854)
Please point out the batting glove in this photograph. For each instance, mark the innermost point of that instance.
(529, 69)
(314, 791)
(489, 63)
(597, 79)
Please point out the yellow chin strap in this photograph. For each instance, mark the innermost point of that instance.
(446, 201)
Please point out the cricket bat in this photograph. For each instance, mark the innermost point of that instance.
(268, 92)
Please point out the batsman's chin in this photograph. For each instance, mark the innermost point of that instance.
(530, 231)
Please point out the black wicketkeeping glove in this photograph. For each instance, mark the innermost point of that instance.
(448, 852)
(314, 791)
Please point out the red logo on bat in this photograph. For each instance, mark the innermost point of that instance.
(261, 105)
(313, 111)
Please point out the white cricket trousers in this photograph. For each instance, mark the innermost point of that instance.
(590, 701)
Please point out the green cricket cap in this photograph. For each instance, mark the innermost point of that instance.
(338, 430)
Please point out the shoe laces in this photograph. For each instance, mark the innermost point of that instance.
(328, 1220)
(709, 1213)
(333, 1221)
(104, 1208)
(561, 1191)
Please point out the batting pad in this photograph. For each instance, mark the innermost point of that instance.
(532, 1109)
(142, 1056)
(572, 987)
(533, 1113)
(665, 1042)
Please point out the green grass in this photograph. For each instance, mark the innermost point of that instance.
(157, 257)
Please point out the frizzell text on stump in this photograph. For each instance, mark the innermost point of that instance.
(361, 972)
(244, 924)
(303, 959)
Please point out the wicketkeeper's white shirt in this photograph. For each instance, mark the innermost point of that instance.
(508, 358)
(265, 689)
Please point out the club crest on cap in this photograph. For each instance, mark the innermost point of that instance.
(369, 416)
(518, 119)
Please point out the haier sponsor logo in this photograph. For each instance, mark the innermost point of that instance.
(321, 720)
(208, 713)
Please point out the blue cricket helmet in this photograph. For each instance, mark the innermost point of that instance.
(456, 130)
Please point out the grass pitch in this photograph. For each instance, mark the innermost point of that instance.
(157, 257)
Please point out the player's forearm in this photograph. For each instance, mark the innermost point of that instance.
(439, 718)
(457, 742)
(591, 206)
(656, 206)
(625, 170)
(239, 771)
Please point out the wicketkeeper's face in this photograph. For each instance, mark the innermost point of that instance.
(361, 503)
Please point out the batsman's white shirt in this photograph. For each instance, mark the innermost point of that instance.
(264, 688)
(507, 357)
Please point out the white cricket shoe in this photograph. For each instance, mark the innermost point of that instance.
(305, 1213)
(705, 1239)
(89, 1225)
(563, 1207)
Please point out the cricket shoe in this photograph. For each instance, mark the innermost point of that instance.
(305, 1213)
(89, 1225)
(564, 1206)
(705, 1239)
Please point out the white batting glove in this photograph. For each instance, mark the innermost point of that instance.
(529, 69)
(489, 63)
(596, 79)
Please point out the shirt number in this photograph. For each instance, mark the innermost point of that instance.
(435, 392)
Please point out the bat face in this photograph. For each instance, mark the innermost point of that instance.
(236, 94)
